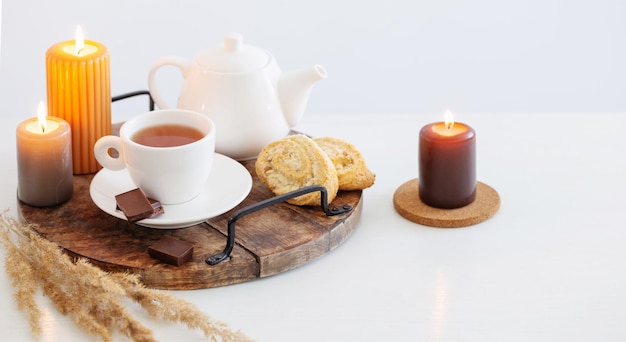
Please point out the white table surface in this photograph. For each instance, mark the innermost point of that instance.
(549, 266)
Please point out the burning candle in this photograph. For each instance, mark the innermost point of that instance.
(447, 164)
(44, 160)
(79, 91)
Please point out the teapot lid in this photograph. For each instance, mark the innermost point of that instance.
(233, 57)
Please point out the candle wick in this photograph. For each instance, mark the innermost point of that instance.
(43, 128)
(449, 125)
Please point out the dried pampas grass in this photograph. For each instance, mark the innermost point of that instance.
(94, 299)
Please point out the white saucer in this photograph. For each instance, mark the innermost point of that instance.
(229, 183)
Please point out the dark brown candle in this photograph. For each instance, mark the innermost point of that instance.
(447, 165)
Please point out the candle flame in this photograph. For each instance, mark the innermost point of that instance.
(41, 117)
(80, 40)
(448, 119)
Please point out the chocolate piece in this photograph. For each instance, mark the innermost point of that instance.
(171, 250)
(157, 209)
(136, 206)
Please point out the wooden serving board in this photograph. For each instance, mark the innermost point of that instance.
(270, 241)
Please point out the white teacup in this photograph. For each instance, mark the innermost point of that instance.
(169, 174)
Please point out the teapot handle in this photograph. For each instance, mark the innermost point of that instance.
(178, 62)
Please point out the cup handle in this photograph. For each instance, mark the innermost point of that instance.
(178, 62)
(101, 152)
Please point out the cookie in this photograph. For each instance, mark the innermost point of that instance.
(352, 172)
(294, 162)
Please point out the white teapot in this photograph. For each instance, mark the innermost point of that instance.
(242, 90)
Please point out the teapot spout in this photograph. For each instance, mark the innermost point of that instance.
(294, 88)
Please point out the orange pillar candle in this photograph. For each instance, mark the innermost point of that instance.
(44, 160)
(79, 91)
(447, 164)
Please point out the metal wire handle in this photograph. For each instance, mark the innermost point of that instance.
(230, 242)
(135, 93)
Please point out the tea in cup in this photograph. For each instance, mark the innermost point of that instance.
(167, 153)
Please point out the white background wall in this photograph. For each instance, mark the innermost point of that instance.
(415, 56)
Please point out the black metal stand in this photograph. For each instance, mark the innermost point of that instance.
(135, 93)
(230, 243)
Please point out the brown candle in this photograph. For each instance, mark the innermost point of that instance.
(44, 161)
(447, 165)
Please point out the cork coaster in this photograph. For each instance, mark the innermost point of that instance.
(407, 202)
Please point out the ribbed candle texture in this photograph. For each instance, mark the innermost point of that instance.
(79, 91)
